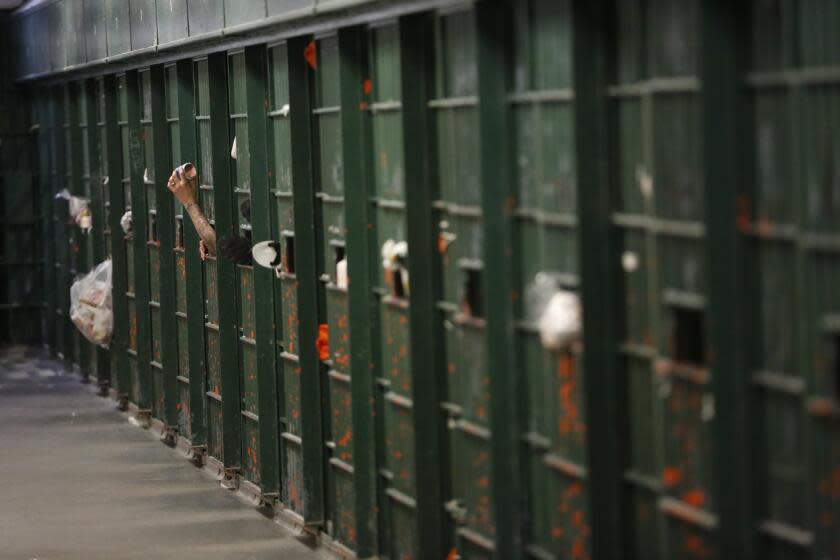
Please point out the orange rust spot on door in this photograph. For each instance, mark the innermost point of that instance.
(566, 365)
(483, 482)
(368, 86)
(343, 360)
(453, 554)
(510, 204)
(345, 439)
(557, 533)
(694, 498)
(578, 550)
(671, 476)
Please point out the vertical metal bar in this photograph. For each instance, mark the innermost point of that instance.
(62, 262)
(225, 269)
(599, 273)
(139, 217)
(78, 248)
(417, 78)
(166, 228)
(96, 153)
(724, 43)
(119, 272)
(361, 251)
(257, 108)
(48, 239)
(195, 282)
(306, 268)
(497, 204)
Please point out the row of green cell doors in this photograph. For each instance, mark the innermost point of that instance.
(319, 384)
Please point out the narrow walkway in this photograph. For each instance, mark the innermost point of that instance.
(80, 482)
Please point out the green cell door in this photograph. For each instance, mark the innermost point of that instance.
(391, 287)
(543, 161)
(246, 320)
(182, 371)
(81, 183)
(659, 213)
(793, 225)
(72, 247)
(132, 391)
(286, 285)
(330, 218)
(460, 303)
(43, 118)
(152, 246)
(213, 376)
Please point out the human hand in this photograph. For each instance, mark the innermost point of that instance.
(202, 250)
(182, 187)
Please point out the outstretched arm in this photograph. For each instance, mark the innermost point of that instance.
(184, 190)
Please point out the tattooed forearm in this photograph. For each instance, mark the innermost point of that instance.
(202, 226)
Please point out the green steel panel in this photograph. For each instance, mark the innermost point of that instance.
(227, 292)
(118, 26)
(113, 90)
(592, 46)
(96, 15)
(416, 59)
(724, 33)
(817, 40)
(209, 312)
(172, 22)
(205, 16)
(62, 225)
(184, 109)
(329, 178)
(138, 135)
(162, 238)
(462, 269)
(46, 166)
(309, 305)
(247, 367)
(96, 172)
(285, 287)
(257, 108)
(792, 225)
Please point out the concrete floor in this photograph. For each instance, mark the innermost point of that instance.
(80, 482)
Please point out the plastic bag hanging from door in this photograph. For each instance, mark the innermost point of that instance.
(91, 304)
(79, 209)
(555, 311)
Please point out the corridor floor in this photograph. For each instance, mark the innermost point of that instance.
(80, 482)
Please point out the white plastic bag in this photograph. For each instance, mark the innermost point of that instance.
(554, 311)
(91, 304)
(79, 209)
